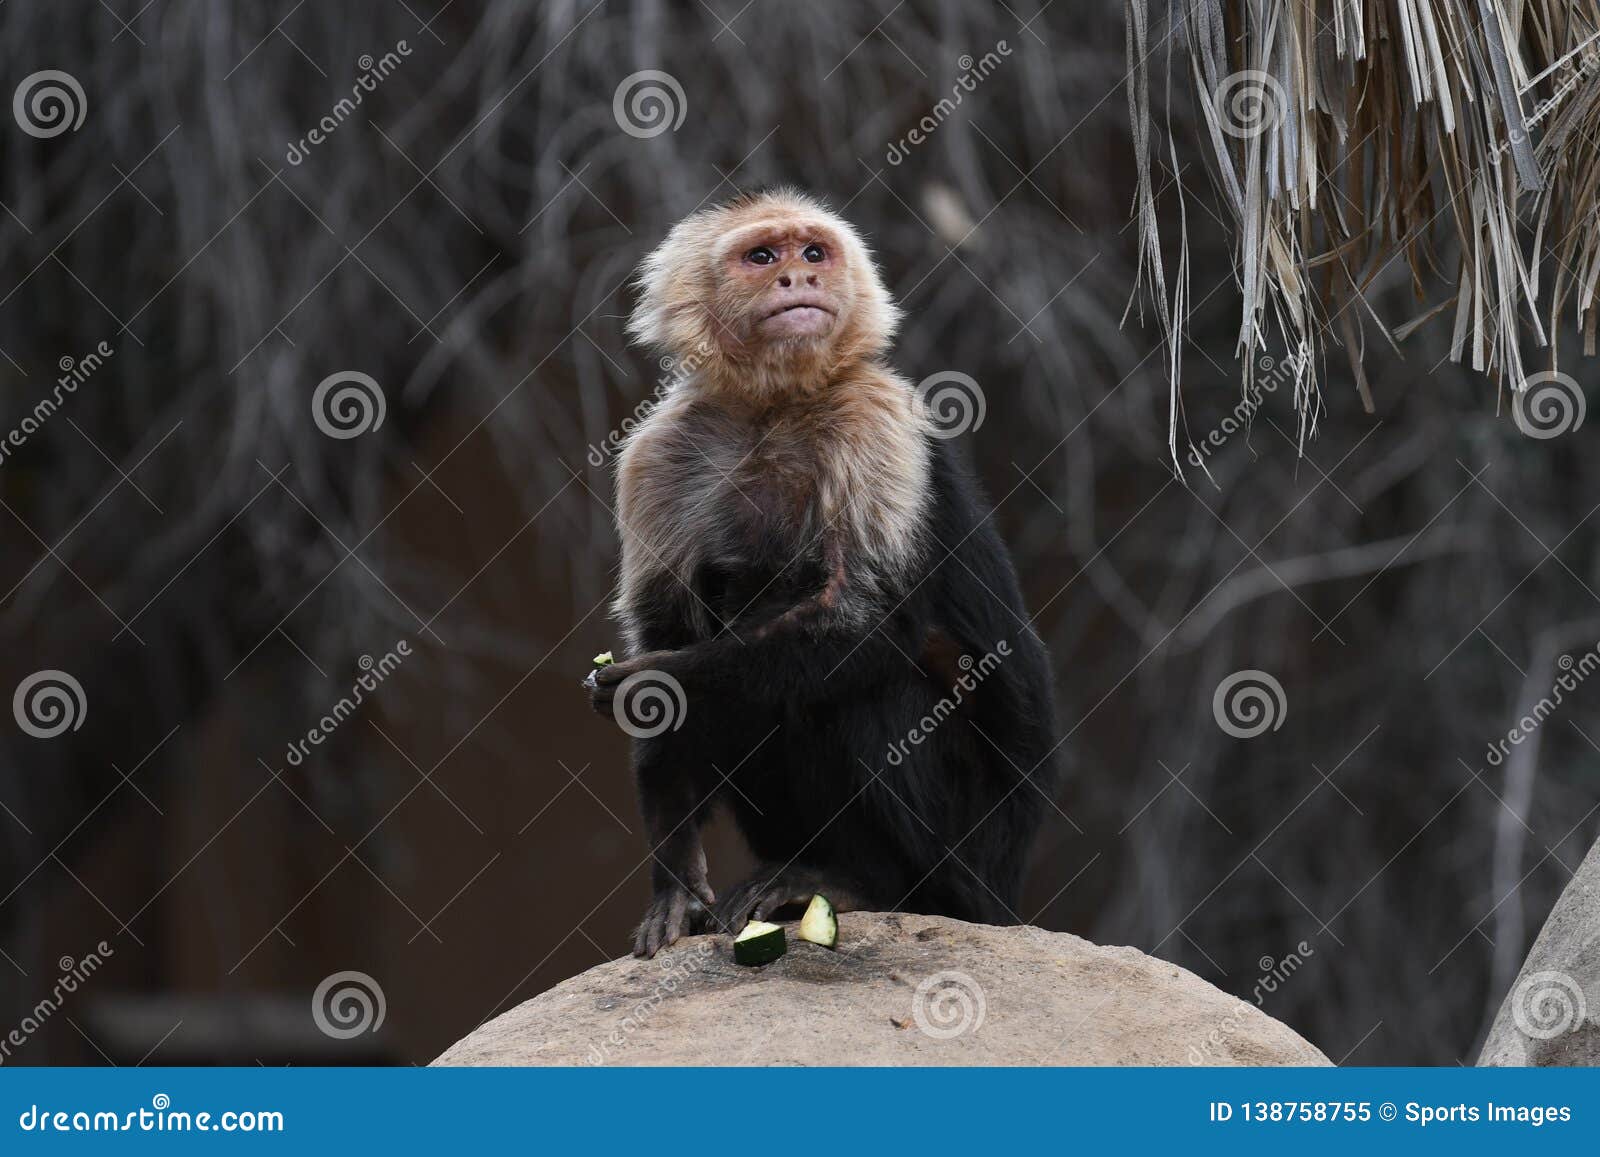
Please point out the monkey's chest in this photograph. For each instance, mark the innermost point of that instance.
(764, 555)
(744, 517)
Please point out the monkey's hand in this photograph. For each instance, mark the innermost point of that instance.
(682, 906)
(603, 682)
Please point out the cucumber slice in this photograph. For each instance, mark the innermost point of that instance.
(759, 943)
(819, 925)
(603, 659)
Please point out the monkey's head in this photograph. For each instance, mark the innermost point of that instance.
(767, 292)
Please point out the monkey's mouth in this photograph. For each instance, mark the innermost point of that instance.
(801, 317)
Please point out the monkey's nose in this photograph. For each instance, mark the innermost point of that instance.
(783, 280)
(811, 279)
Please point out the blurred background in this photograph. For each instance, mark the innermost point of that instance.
(201, 555)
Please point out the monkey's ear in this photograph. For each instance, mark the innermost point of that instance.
(882, 305)
(647, 323)
(670, 287)
(879, 315)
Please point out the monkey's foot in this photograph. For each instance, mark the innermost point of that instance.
(771, 889)
(673, 912)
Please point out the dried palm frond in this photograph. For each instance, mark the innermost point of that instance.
(1347, 137)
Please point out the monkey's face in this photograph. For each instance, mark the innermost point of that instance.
(784, 281)
(766, 293)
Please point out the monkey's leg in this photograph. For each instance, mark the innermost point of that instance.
(675, 907)
(680, 891)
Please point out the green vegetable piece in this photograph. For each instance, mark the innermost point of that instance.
(759, 943)
(820, 924)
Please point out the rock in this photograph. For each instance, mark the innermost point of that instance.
(900, 990)
(1551, 1016)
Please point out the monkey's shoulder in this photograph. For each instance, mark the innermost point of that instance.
(856, 452)
(669, 434)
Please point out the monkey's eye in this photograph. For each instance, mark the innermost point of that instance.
(761, 255)
(813, 253)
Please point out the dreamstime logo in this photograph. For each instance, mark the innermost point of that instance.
(348, 1004)
(648, 103)
(156, 1119)
(348, 404)
(674, 372)
(973, 672)
(648, 703)
(1548, 405)
(74, 975)
(1273, 373)
(374, 672)
(74, 372)
(676, 968)
(973, 73)
(1573, 673)
(1274, 975)
(1249, 703)
(954, 400)
(1574, 76)
(373, 73)
(1547, 1004)
(49, 103)
(948, 1005)
(1249, 103)
(48, 703)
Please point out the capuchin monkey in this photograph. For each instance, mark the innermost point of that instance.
(812, 593)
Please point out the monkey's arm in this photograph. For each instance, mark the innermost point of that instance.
(815, 609)
(823, 660)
